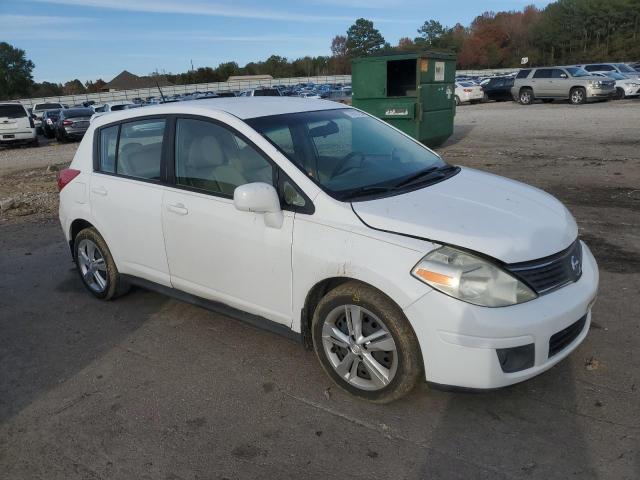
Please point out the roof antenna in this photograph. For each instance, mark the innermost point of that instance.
(160, 90)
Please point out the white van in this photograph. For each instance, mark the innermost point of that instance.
(16, 126)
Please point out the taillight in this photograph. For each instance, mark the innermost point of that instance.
(65, 176)
(67, 122)
(468, 90)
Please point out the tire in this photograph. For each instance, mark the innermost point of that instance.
(619, 94)
(458, 102)
(525, 96)
(35, 142)
(374, 374)
(578, 96)
(96, 267)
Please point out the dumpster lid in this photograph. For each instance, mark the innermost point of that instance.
(406, 56)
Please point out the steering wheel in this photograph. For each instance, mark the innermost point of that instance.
(344, 166)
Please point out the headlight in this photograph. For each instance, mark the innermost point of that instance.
(471, 279)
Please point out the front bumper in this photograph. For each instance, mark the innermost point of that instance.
(459, 341)
(595, 92)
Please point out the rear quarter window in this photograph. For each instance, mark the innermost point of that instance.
(523, 73)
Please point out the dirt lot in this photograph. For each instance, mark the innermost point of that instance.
(147, 387)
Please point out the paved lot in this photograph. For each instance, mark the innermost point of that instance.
(147, 387)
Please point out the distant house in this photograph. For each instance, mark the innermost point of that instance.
(129, 81)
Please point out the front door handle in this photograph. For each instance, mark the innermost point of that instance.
(177, 208)
(100, 191)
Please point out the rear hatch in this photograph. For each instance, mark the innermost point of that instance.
(13, 119)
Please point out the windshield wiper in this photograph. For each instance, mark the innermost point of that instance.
(422, 174)
(362, 191)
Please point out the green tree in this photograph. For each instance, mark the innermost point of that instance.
(74, 87)
(15, 72)
(363, 39)
(431, 31)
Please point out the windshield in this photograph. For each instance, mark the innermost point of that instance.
(623, 67)
(351, 154)
(47, 106)
(577, 72)
(616, 76)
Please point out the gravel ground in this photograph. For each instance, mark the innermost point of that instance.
(151, 388)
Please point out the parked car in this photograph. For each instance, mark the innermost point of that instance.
(625, 87)
(261, 92)
(40, 108)
(16, 125)
(72, 123)
(610, 67)
(560, 83)
(468, 92)
(49, 119)
(498, 89)
(285, 213)
(112, 107)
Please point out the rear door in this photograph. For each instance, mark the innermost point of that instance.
(542, 83)
(13, 119)
(126, 195)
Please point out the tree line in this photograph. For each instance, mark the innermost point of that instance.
(564, 32)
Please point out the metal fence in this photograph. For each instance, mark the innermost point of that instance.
(122, 95)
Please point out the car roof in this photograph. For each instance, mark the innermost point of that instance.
(241, 107)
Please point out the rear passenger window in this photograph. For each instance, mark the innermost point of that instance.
(140, 149)
(542, 74)
(108, 143)
(211, 158)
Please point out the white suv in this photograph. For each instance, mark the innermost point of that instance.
(16, 125)
(317, 220)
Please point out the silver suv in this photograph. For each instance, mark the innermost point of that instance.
(560, 83)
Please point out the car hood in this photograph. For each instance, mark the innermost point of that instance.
(502, 218)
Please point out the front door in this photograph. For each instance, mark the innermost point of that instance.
(214, 250)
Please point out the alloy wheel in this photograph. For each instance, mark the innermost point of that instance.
(577, 96)
(359, 347)
(92, 265)
(525, 97)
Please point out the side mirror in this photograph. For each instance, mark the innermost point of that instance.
(563, 75)
(260, 197)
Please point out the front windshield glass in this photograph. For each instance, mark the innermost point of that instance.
(577, 72)
(616, 76)
(623, 67)
(351, 154)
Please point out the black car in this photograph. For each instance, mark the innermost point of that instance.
(498, 89)
(73, 123)
(49, 119)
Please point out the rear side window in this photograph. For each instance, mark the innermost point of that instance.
(108, 145)
(12, 111)
(46, 106)
(542, 74)
(523, 73)
(557, 73)
(140, 149)
(132, 149)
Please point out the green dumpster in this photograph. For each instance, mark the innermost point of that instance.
(414, 92)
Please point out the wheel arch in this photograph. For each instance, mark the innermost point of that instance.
(318, 291)
(76, 227)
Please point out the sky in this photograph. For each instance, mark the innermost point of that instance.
(90, 39)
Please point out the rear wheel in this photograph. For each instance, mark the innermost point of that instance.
(95, 265)
(526, 96)
(578, 96)
(619, 94)
(458, 102)
(365, 343)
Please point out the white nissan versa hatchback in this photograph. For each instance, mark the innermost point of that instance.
(313, 218)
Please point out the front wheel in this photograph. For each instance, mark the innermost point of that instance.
(95, 265)
(578, 96)
(365, 343)
(619, 95)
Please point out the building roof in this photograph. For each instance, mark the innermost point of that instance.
(241, 107)
(128, 81)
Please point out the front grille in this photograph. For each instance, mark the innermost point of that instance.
(549, 273)
(563, 338)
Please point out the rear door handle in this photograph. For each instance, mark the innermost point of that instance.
(177, 208)
(99, 190)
